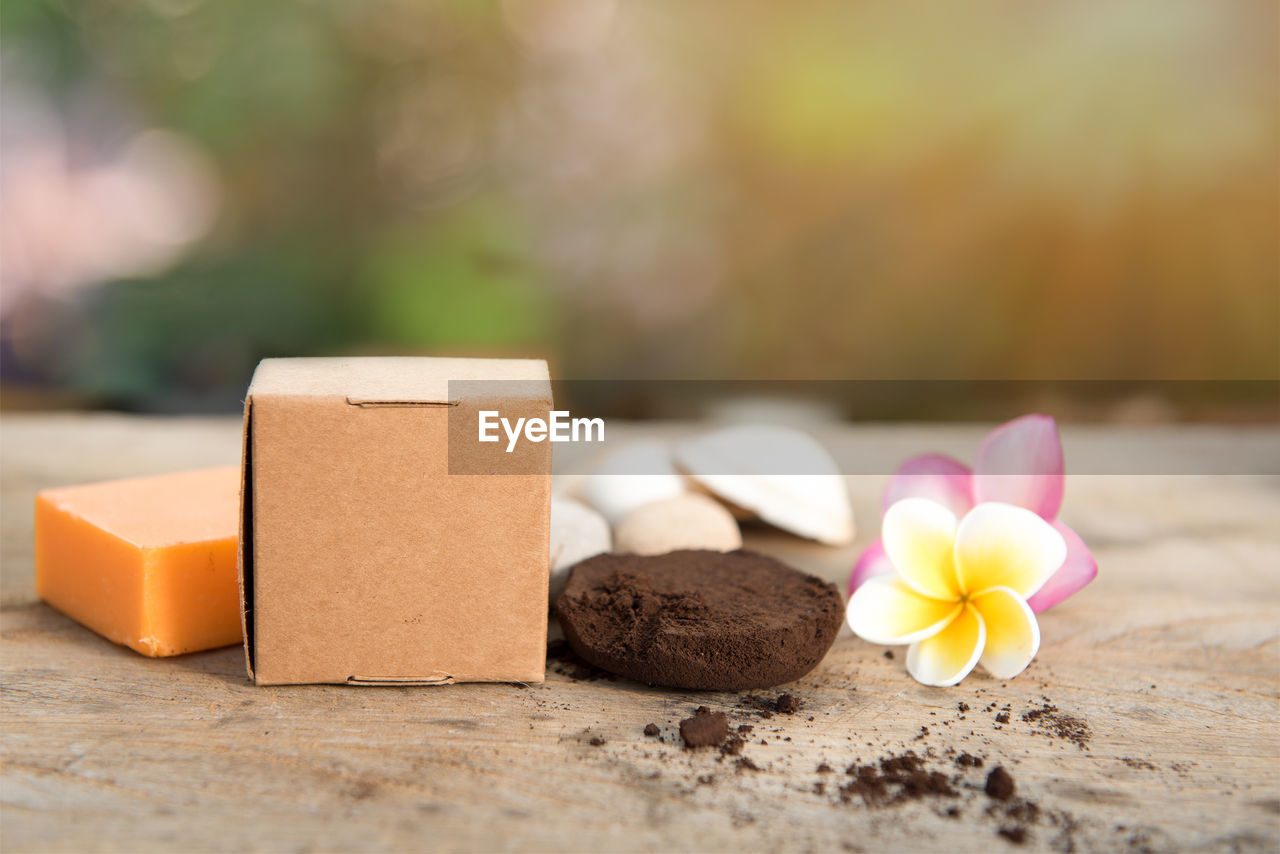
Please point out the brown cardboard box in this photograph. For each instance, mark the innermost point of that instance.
(371, 551)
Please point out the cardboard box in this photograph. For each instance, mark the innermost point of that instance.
(381, 543)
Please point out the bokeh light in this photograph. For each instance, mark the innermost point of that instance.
(989, 190)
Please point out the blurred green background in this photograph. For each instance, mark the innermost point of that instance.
(982, 190)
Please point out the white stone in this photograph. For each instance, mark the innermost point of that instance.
(781, 474)
(630, 477)
(689, 521)
(577, 533)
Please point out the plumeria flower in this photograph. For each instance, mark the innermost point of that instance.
(958, 591)
(1019, 463)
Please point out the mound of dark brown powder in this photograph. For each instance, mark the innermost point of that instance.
(700, 619)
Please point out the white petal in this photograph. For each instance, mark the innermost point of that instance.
(884, 610)
(951, 654)
(919, 537)
(1000, 545)
(1013, 635)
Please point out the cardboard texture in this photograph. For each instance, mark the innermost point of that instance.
(364, 559)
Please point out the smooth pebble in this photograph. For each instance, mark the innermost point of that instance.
(632, 476)
(577, 533)
(689, 521)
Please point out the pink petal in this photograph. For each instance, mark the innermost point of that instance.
(936, 477)
(1076, 571)
(1020, 463)
(873, 562)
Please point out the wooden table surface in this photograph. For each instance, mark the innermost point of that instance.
(1170, 659)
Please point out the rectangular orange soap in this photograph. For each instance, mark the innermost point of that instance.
(148, 562)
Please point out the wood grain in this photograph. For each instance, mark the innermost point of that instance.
(1172, 659)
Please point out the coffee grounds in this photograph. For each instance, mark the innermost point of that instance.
(1140, 764)
(699, 619)
(1058, 724)
(999, 784)
(895, 779)
(563, 660)
(1017, 835)
(1025, 812)
(705, 729)
(787, 704)
(651, 730)
(766, 707)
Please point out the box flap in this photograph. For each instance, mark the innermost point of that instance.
(244, 549)
(398, 380)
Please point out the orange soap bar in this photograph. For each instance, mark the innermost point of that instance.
(148, 562)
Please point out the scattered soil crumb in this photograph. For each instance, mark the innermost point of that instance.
(596, 741)
(705, 729)
(1140, 764)
(745, 764)
(1000, 784)
(824, 768)
(1057, 724)
(895, 779)
(784, 704)
(1002, 718)
(1023, 811)
(1016, 835)
(968, 760)
(563, 660)
(651, 730)
(733, 746)
(888, 653)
